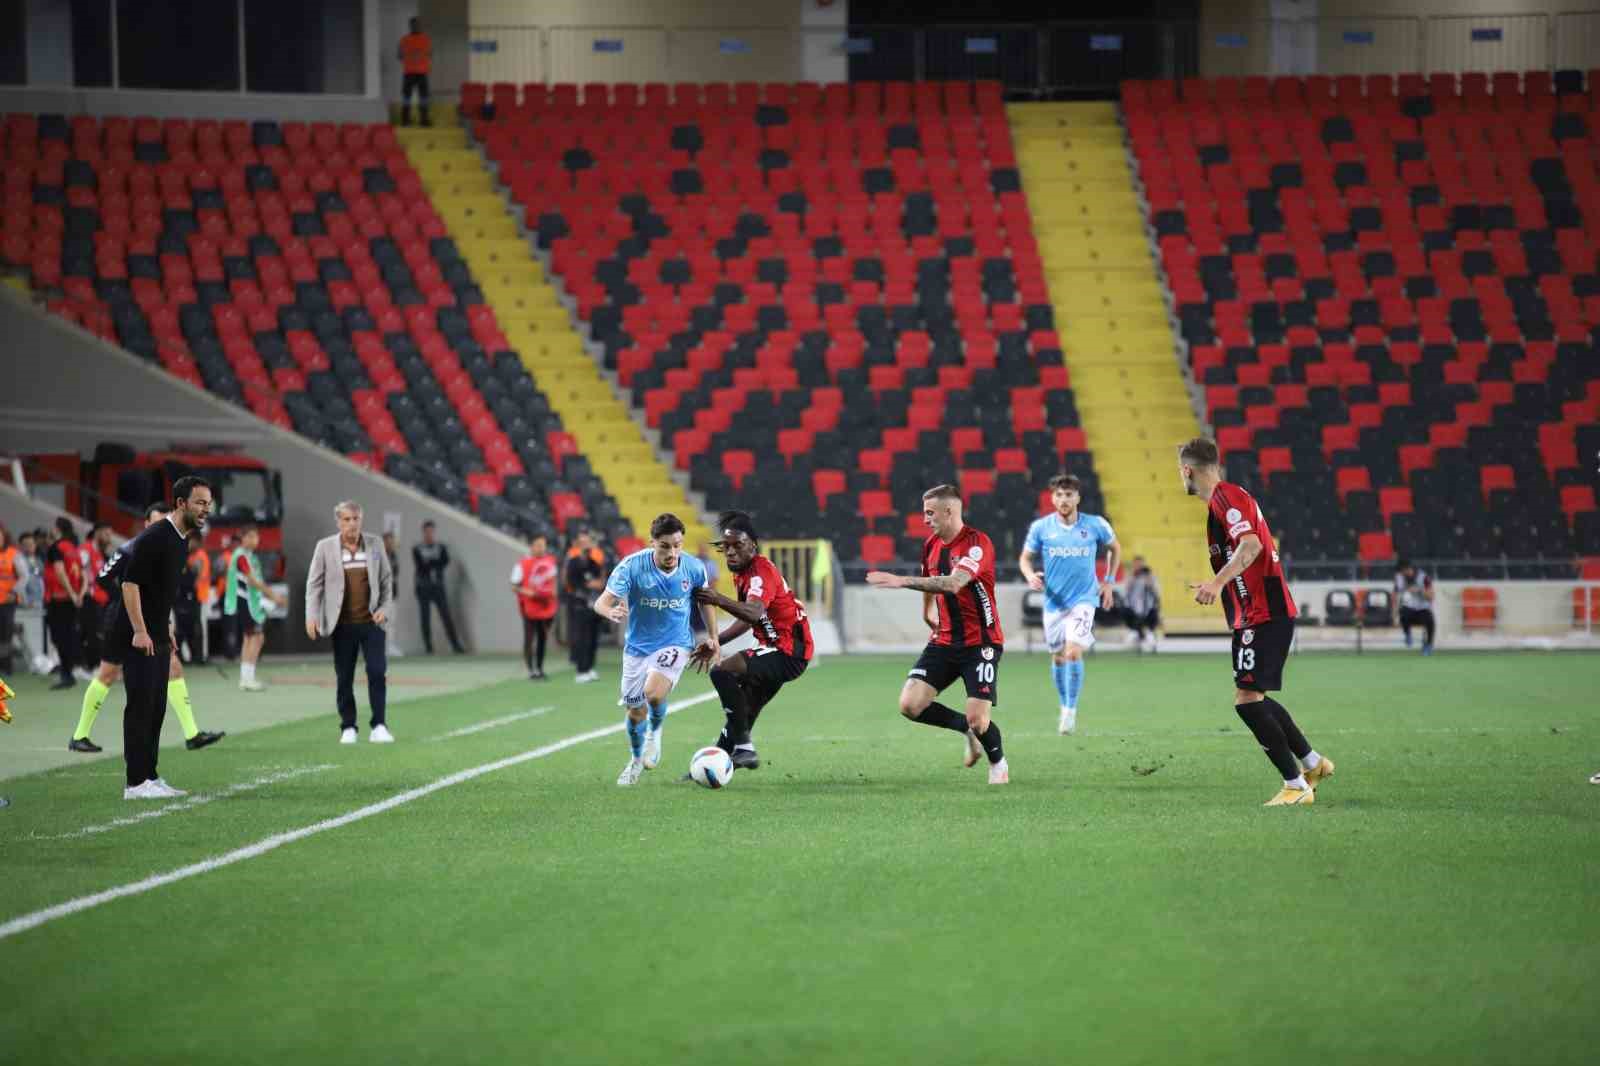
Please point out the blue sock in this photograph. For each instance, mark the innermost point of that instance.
(1059, 672)
(636, 732)
(1074, 681)
(658, 714)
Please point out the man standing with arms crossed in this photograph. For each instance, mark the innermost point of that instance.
(64, 587)
(149, 587)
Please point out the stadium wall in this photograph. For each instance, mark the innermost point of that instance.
(67, 391)
(1536, 612)
(656, 40)
(1243, 37)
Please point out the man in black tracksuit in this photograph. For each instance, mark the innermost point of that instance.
(432, 559)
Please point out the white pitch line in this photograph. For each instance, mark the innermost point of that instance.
(191, 803)
(137, 888)
(492, 723)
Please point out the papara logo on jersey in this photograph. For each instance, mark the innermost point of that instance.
(1078, 551)
(663, 605)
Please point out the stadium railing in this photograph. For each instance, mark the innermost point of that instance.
(1043, 59)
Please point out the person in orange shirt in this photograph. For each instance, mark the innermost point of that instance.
(10, 593)
(416, 62)
(533, 579)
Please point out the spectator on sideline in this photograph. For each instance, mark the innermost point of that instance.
(199, 573)
(583, 579)
(432, 559)
(1143, 604)
(242, 608)
(30, 581)
(63, 599)
(92, 555)
(1414, 595)
(533, 580)
(416, 63)
(350, 596)
(13, 575)
(186, 610)
(391, 548)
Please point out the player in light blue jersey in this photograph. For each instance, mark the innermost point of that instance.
(1067, 543)
(652, 590)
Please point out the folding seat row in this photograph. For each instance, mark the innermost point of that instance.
(536, 100)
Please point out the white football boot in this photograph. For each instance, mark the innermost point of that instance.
(631, 773)
(652, 749)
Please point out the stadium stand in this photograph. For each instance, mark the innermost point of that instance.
(1390, 293)
(826, 299)
(300, 271)
(1133, 398)
(604, 450)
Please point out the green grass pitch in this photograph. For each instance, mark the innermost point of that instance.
(860, 898)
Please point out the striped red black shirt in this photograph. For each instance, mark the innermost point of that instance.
(785, 627)
(969, 618)
(1261, 593)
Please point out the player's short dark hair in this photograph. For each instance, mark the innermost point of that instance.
(185, 486)
(943, 492)
(665, 525)
(1202, 451)
(1066, 481)
(428, 524)
(739, 521)
(160, 507)
(247, 529)
(65, 528)
(1401, 563)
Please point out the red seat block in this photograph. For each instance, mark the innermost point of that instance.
(1496, 476)
(875, 503)
(1393, 500)
(1375, 547)
(1577, 498)
(1349, 479)
(877, 550)
(825, 483)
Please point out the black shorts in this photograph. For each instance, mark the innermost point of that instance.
(243, 624)
(1259, 653)
(977, 667)
(114, 644)
(766, 670)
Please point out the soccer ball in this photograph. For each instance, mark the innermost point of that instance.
(711, 767)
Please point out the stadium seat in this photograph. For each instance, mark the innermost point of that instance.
(860, 280)
(299, 271)
(1427, 277)
(1479, 608)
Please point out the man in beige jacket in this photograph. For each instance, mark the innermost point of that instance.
(350, 597)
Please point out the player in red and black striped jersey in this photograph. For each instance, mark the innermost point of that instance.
(748, 680)
(1259, 609)
(958, 603)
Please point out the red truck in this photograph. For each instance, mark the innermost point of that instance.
(118, 483)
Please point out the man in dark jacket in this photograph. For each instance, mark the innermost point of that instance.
(432, 559)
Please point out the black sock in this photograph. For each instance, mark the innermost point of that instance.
(1291, 732)
(1269, 734)
(735, 708)
(937, 714)
(990, 739)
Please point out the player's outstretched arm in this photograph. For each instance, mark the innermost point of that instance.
(610, 608)
(941, 584)
(750, 612)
